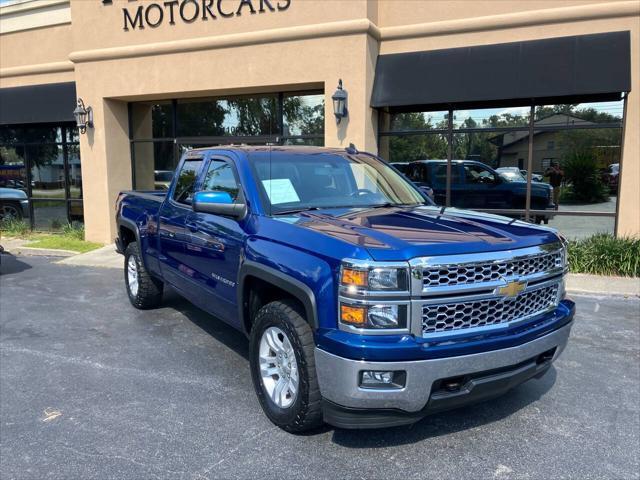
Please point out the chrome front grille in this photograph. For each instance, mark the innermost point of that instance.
(454, 293)
(480, 272)
(457, 315)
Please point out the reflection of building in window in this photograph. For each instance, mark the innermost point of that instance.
(558, 144)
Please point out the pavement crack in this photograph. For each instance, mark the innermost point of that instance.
(169, 377)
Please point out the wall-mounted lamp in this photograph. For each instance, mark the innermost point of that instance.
(84, 116)
(339, 98)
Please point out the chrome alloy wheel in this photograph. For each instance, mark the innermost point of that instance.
(132, 275)
(278, 367)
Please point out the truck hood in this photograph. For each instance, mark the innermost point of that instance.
(399, 233)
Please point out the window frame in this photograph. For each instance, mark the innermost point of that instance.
(172, 190)
(240, 197)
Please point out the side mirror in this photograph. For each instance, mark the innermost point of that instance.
(218, 203)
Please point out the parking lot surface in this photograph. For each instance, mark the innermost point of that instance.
(92, 388)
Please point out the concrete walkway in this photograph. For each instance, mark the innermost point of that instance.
(105, 257)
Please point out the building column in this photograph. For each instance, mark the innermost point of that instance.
(106, 166)
(360, 126)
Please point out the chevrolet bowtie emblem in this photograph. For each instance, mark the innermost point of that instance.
(511, 289)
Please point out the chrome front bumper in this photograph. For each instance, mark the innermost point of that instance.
(339, 377)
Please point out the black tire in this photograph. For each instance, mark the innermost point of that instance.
(10, 210)
(306, 411)
(149, 291)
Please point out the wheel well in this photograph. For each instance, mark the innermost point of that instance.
(257, 293)
(126, 236)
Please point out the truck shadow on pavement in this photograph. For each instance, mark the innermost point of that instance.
(437, 425)
(10, 264)
(453, 421)
(216, 328)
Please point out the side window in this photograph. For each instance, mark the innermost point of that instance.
(220, 178)
(186, 181)
(475, 174)
(440, 176)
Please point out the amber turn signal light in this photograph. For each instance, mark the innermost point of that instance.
(354, 277)
(353, 315)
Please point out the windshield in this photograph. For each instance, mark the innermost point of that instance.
(291, 182)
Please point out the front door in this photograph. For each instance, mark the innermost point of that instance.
(482, 187)
(213, 250)
(172, 231)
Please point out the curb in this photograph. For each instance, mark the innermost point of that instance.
(42, 252)
(603, 285)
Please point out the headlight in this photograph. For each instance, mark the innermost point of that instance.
(360, 278)
(374, 296)
(382, 316)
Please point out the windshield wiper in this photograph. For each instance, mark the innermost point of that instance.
(296, 210)
(389, 205)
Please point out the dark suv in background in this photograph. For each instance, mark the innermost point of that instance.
(475, 185)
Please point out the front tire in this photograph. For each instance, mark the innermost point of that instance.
(143, 290)
(10, 211)
(281, 355)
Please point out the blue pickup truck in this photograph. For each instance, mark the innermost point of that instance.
(365, 304)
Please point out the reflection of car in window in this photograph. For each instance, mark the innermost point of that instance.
(477, 186)
(610, 177)
(13, 204)
(162, 179)
(405, 168)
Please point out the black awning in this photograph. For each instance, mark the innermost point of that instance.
(578, 66)
(53, 103)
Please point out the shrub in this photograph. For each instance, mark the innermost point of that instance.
(581, 170)
(14, 228)
(604, 254)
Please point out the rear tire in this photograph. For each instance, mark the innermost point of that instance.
(303, 408)
(143, 290)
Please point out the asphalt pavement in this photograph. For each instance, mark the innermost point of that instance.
(91, 388)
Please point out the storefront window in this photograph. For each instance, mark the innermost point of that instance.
(49, 214)
(512, 117)
(574, 166)
(414, 121)
(13, 171)
(410, 148)
(162, 131)
(154, 164)
(228, 117)
(303, 115)
(44, 162)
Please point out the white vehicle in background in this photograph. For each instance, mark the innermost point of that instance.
(515, 172)
(13, 204)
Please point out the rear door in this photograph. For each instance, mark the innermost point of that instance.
(215, 244)
(172, 231)
(437, 176)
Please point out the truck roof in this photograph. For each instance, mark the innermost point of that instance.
(276, 148)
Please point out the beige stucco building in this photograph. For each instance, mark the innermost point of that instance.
(121, 53)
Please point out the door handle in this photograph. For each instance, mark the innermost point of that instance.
(192, 227)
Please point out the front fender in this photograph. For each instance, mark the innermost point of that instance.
(308, 278)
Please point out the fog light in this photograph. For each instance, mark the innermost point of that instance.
(382, 379)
